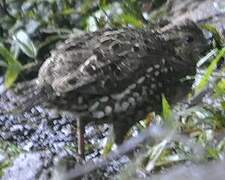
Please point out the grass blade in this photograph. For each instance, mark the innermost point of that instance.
(13, 66)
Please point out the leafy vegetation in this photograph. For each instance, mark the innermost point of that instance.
(8, 152)
(30, 28)
(204, 81)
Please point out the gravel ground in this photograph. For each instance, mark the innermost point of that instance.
(46, 138)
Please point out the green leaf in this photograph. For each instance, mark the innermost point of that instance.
(3, 166)
(3, 64)
(103, 3)
(24, 42)
(220, 88)
(212, 153)
(166, 109)
(216, 35)
(204, 81)
(68, 11)
(12, 73)
(129, 19)
(13, 66)
(109, 144)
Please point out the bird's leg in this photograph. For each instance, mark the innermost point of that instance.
(120, 130)
(80, 137)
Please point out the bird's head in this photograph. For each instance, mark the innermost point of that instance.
(188, 41)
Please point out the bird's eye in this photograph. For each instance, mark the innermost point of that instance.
(189, 39)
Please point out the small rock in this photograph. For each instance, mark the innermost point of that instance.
(66, 130)
(16, 128)
(28, 146)
(27, 166)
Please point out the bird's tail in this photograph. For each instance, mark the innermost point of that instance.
(22, 98)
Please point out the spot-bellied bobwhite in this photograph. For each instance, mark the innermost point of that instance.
(118, 76)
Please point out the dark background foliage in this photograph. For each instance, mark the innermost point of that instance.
(30, 28)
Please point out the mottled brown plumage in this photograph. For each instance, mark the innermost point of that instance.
(119, 76)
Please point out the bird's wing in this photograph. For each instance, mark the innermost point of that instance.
(102, 63)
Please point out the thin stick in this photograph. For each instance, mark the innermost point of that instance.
(80, 137)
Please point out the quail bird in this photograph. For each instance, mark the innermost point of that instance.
(118, 76)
